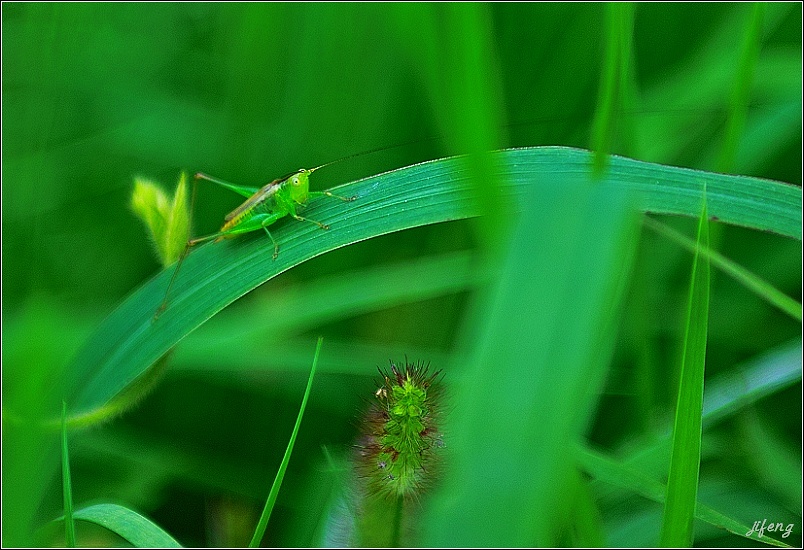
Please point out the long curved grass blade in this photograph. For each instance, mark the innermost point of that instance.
(737, 389)
(136, 529)
(216, 274)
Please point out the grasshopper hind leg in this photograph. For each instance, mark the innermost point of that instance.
(276, 246)
(164, 303)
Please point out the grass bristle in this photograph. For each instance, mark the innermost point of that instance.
(400, 437)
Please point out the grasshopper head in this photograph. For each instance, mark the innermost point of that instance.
(300, 185)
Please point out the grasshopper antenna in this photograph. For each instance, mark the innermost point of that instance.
(311, 170)
(327, 193)
(369, 152)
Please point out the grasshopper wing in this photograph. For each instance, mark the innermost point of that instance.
(254, 200)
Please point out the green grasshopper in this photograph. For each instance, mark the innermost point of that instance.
(264, 206)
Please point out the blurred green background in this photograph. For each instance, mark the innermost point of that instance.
(94, 94)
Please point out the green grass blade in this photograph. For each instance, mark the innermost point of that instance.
(752, 282)
(136, 529)
(682, 483)
(620, 475)
(67, 485)
(280, 475)
(216, 274)
(587, 529)
(472, 115)
(776, 461)
(526, 394)
(738, 106)
(619, 28)
(771, 372)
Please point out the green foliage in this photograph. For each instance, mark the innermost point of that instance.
(740, 96)
(557, 326)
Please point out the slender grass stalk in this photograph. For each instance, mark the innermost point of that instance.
(752, 282)
(738, 105)
(682, 483)
(586, 529)
(396, 531)
(280, 475)
(619, 28)
(67, 486)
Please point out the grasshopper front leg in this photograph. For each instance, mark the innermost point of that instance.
(290, 206)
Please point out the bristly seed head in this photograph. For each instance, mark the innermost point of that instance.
(400, 436)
